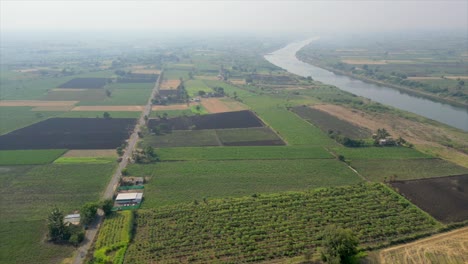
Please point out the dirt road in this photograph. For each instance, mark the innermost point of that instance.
(108, 193)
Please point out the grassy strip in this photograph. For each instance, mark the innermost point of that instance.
(379, 153)
(29, 157)
(86, 160)
(240, 153)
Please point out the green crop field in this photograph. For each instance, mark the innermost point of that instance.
(269, 227)
(130, 96)
(400, 169)
(174, 182)
(176, 74)
(15, 117)
(84, 160)
(379, 153)
(246, 134)
(29, 192)
(88, 95)
(240, 153)
(182, 138)
(29, 157)
(194, 86)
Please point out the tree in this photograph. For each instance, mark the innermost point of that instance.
(107, 205)
(339, 245)
(106, 115)
(198, 107)
(201, 93)
(88, 212)
(57, 228)
(108, 93)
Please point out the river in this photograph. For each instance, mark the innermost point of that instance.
(444, 113)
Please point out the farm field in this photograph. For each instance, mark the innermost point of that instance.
(32, 157)
(447, 248)
(12, 118)
(398, 169)
(194, 86)
(175, 182)
(243, 153)
(220, 105)
(394, 153)
(90, 153)
(270, 227)
(86, 83)
(70, 133)
(327, 122)
(445, 198)
(29, 192)
(100, 114)
(169, 84)
(84, 160)
(254, 136)
(240, 119)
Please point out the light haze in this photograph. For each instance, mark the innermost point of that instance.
(250, 16)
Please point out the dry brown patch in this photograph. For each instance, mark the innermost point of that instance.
(237, 81)
(169, 84)
(170, 107)
(90, 153)
(110, 108)
(452, 247)
(424, 136)
(423, 78)
(36, 103)
(217, 105)
(457, 77)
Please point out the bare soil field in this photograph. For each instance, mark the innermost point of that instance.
(445, 198)
(70, 133)
(67, 89)
(90, 153)
(146, 71)
(36, 103)
(218, 105)
(86, 83)
(169, 84)
(170, 107)
(239, 119)
(450, 248)
(423, 78)
(110, 108)
(53, 108)
(209, 78)
(237, 81)
(424, 136)
(167, 92)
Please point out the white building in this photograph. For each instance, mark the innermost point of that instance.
(123, 198)
(72, 219)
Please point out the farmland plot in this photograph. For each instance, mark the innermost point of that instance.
(239, 119)
(254, 136)
(70, 133)
(86, 83)
(445, 198)
(269, 227)
(327, 122)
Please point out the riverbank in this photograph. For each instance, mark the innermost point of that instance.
(372, 81)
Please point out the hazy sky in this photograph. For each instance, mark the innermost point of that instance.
(269, 16)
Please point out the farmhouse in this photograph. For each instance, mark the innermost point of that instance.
(129, 198)
(126, 181)
(72, 219)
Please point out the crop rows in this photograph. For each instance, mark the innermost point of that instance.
(267, 227)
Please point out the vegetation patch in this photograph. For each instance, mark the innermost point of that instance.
(241, 153)
(254, 136)
(175, 182)
(398, 153)
(268, 227)
(85, 160)
(398, 169)
(29, 157)
(182, 138)
(70, 133)
(445, 198)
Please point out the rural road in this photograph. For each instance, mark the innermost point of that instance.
(109, 192)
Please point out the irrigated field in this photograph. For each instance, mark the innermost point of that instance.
(70, 133)
(32, 157)
(175, 182)
(240, 119)
(269, 227)
(445, 198)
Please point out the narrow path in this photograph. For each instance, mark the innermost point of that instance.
(92, 231)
